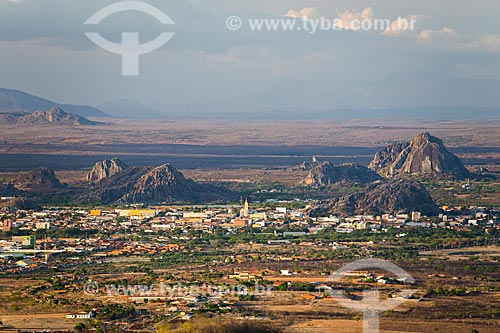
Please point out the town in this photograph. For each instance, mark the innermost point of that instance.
(102, 232)
(189, 260)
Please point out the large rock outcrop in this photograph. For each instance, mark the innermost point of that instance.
(8, 190)
(105, 169)
(38, 180)
(398, 196)
(325, 174)
(424, 155)
(54, 116)
(163, 184)
(24, 204)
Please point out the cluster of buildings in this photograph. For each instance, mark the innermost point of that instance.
(159, 219)
(136, 231)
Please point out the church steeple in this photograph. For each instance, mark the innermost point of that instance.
(244, 212)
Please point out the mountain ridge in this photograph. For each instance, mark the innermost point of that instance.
(19, 101)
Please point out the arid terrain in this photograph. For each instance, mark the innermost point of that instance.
(219, 144)
(298, 183)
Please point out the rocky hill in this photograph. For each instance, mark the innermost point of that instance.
(325, 174)
(111, 189)
(104, 169)
(424, 155)
(398, 196)
(8, 190)
(54, 116)
(38, 180)
(163, 184)
(24, 204)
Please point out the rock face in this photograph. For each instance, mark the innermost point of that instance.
(424, 155)
(105, 169)
(399, 196)
(24, 204)
(163, 184)
(38, 180)
(54, 116)
(308, 165)
(325, 174)
(111, 189)
(8, 190)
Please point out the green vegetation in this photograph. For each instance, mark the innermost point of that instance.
(114, 311)
(65, 233)
(219, 326)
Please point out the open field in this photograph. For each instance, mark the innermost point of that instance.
(227, 145)
(480, 253)
(391, 326)
(429, 311)
(372, 133)
(39, 321)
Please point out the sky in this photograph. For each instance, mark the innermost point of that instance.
(44, 50)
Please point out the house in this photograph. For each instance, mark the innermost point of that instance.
(285, 272)
(24, 240)
(244, 276)
(25, 262)
(294, 233)
(187, 316)
(278, 241)
(80, 315)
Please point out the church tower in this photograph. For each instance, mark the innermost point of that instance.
(244, 212)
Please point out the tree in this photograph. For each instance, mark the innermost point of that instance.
(80, 327)
(283, 286)
(474, 331)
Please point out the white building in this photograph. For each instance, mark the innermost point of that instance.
(80, 315)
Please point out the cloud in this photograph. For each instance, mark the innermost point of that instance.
(304, 13)
(350, 19)
(490, 43)
(445, 33)
(402, 25)
(450, 38)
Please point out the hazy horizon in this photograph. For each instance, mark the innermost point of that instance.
(452, 51)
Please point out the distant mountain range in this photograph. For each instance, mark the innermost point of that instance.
(398, 92)
(425, 96)
(130, 109)
(406, 96)
(18, 101)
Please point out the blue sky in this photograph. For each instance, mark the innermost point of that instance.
(43, 49)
